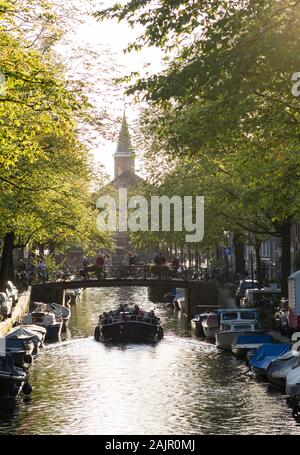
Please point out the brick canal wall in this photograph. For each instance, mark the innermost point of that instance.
(21, 308)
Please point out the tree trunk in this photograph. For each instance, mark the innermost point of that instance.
(41, 250)
(7, 264)
(196, 258)
(239, 254)
(259, 274)
(286, 256)
(51, 247)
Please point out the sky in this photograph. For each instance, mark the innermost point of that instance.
(114, 37)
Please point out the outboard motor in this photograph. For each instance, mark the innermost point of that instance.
(27, 389)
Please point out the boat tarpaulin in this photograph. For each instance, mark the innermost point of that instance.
(268, 352)
(253, 339)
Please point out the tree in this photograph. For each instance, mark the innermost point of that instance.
(225, 101)
(46, 172)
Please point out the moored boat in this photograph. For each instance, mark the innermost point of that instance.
(62, 312)
(12, 378)
(264, 356)
(20, 350)
(292, 387)
(196, 324)
(278, 369)
(128, 326)
(228, 332)
(26, 335)
(46, 319)
(211, 325)
(73, 296)
(250, 342)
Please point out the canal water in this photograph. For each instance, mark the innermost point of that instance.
(179, 386)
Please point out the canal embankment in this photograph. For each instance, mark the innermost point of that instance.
(20, 310)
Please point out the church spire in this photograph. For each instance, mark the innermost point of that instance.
(124, 146)
(124, 157)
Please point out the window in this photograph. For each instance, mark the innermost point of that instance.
(229, 316)
(248, 315)
(242, 327)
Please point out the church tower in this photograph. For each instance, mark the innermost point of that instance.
(124, 157)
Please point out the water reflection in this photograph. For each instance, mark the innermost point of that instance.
(180, 385)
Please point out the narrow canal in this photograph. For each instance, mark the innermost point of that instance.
(179, 386)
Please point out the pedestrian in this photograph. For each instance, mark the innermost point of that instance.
(42, 270)
(108, 264)
(100, 266)
(85, 262)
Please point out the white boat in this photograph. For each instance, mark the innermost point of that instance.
(48, 320)
(211, 325)
(278, 369)
(25, 334)
(243, 344)
(37, 329)
(229, 331)
(196, 324)
(62, 312)
(292, 387)
(182, 305)
(228, 316)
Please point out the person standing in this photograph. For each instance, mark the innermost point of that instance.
(100, 266)
(108, 264)
(42, 270)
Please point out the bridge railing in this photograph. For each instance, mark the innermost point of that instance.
(143, 272)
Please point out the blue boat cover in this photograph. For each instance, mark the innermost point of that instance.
(268, 352)
(253, 339)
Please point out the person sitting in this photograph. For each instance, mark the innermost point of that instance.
(162, 259)
(175, 263)
(157, 260)
(136, 310)
(106, 318)
(153, 316)
(121, 308)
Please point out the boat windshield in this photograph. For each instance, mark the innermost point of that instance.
(248, 315)
(229, 316)
(243, 327)
(122, 316)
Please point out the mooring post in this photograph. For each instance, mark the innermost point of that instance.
(61, 296)
(188, 301)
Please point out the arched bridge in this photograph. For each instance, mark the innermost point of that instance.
(199, 286)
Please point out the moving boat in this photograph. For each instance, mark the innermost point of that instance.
(12, 378)
(196, 324)
(62, 312)
(228, 333)
(250, 342)
(264, 356)
(125, 326)
(47, 319)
